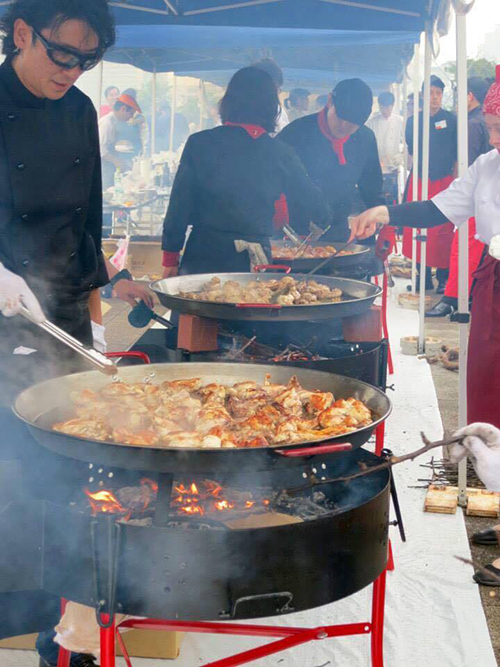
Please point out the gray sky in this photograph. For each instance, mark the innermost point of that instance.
(482, 19)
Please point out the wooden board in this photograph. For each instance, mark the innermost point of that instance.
(480, 502)
(441, 500)
(265, 520)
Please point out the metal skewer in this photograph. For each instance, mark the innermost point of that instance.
(94, 357)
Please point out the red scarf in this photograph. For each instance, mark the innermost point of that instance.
(491, 103)
(255, 131)
(337, 144)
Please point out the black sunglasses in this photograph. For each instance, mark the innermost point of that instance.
(68, 58)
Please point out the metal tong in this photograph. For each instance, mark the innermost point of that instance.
(99, 360)
(329, 259)
(315, 234)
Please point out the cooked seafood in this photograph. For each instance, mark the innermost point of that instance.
(186, 414)
(308, 252)
(287, 292)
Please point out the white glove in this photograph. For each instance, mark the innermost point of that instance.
(98, 332)
(15, 292)
(482, 443)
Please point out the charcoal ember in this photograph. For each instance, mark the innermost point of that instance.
(302, 507)
(194, 525)
(145, 522)
(136, 498)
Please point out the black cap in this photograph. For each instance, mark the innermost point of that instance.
(353, 100)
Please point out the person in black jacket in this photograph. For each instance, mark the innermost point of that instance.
(50, 239)
(228, 181)
(340, 155)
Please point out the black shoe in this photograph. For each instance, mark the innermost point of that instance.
(482, 576)
(440, 288)
(441, 309)
(485, 537)
(428, 286)
(77, 660)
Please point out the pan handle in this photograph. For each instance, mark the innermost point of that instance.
(262, 268)
(269, 306)
(136, 354)
(328, 448)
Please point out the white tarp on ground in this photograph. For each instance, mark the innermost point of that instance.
(433, 612)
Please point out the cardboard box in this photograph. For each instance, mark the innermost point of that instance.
(144, 257)
(139, 643)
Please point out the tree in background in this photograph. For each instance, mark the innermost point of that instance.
(475, 67)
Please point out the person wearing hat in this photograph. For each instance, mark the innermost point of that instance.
(478, 143)
(340, 155)
(110, 127)
(442, 161)
(475, 194)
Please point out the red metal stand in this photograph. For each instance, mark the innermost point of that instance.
(287, 637)
(385, 326)
(379, 438)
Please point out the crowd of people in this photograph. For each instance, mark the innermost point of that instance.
(237, 183)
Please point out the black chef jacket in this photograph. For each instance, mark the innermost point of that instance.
(478, 136)
(347, 188)
(443, 143)
(226, 188)
(50, 205)
(50, 234)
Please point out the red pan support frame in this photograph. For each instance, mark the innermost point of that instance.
(287, 637)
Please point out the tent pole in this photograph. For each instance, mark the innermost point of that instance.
(153, 116)
(416, 156)
(101, 78)
(173, 112)
(425, 182)
(202, 103)
(404, 113)
(463, 241)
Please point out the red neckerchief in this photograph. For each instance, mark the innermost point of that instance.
(255, 131)
(337, 144)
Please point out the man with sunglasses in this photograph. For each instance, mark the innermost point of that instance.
(50, 235)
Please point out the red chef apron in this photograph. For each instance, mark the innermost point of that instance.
(440, 238)
(483, 365)
(476, 249)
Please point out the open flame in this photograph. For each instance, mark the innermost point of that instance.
(192, 500)
(105, 501)
(187, 499)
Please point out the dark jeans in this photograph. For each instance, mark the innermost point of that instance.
(46, 647)
(442, 276)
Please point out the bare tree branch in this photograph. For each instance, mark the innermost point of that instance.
(366, 470)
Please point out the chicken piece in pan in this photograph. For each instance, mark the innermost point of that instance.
(175, 386)
(144, 438)
(209, 417)
(91, 429)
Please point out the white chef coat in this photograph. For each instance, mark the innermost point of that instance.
(389, 133)
(475, 194)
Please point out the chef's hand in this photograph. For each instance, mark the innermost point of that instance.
(170, 271)
(482, 443)
(14, 292)
(365, 224)
(132, 292)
